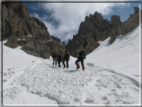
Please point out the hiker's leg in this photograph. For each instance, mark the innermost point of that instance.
(82, 63)
(76, 62)
(59, 63)
(67, 60)
(53, 61)
(64, 63)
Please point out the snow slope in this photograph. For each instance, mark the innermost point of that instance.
(121, 56)
(111, 77)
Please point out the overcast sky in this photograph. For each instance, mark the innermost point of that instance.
(63, 19)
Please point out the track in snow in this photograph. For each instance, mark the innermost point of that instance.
(95, 85)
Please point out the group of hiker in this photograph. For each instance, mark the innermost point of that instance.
(57, 58)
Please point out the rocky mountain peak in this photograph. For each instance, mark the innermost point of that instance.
(115, 20)
(32, 34)
(98, 16)
(95, 28)
(136, 10)
(29, 32)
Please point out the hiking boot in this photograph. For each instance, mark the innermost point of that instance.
(64, 66)
(83, 68)
(77, 67)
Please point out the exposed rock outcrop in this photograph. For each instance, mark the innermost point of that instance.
(29, 32)
(12, 42)
(55, 39)
(95, 28)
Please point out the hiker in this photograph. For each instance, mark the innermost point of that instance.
(66, 58)
(54, 56)
(59, 59)
(81, 56)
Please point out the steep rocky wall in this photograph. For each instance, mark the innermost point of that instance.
(29, 32)
(95, 28)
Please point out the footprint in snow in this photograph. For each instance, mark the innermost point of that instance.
(102, 75)
(126, 102)
(99, 88)
(97, 85)
(108, 102)
(118, 86)
(9, 73)
(5, 74)
(77, 100)
(4, 80)
(9, 69)
(13, 72)
(104, 98)
(89, 100)
(118, 100)
(110, 94)
(113, 90)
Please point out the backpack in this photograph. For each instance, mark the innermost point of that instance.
(67, 53)
(54, 56)
(82, 55)
(58, 56)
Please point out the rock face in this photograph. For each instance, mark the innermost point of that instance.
(95, 28)
(29, 32)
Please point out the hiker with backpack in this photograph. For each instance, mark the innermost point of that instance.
(54, 56)
(59, 59)
(66, 58)
(81, 56)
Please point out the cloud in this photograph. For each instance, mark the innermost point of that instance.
(35, 15)
(63, 19)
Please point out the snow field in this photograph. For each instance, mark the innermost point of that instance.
(15, 60)
(95, 85)
(111, 77)
(121, 56)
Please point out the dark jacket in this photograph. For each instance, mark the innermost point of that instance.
(59, 58)
(81, 55)
(66, 55)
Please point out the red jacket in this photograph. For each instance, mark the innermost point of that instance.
(54, 56)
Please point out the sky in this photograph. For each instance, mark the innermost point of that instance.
(63, 19)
